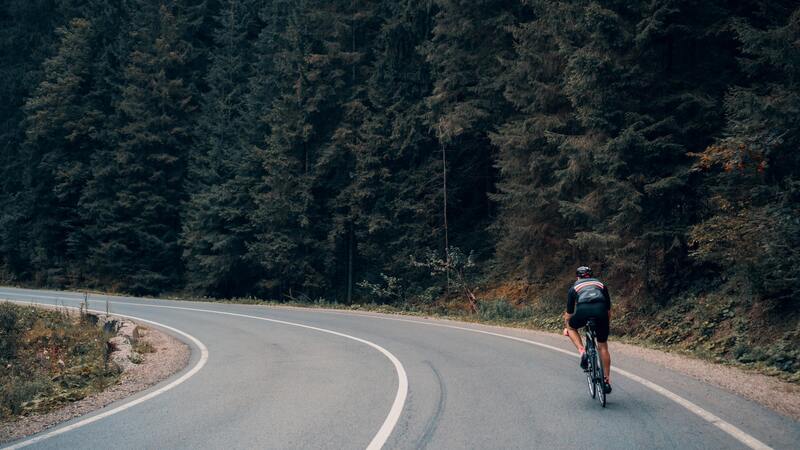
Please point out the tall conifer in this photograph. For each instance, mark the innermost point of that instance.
(137, 187)
(63, 124)
(216, 226)
(469, 39)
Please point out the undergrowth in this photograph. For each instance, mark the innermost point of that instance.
(49, 358)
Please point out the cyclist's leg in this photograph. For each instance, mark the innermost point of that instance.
(573, 324)
(602, 345)
(575, 337)
(605, 356)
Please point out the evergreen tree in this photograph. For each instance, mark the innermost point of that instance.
(751, 228)
(216, 225)
(468, 40)
(62, 133)
(600, 195)
(26, 39)
(393, 199)
(285, 244)
(350, 46)
(609, 98)
(531, 235)
(297, 148)
(136, 189)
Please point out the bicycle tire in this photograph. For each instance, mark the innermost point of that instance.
(600, 387)
(590, 381)
(590, 376)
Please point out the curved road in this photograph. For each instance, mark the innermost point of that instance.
(301, 378)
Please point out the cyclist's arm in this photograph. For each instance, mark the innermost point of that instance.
(571, 298)
(608, 301)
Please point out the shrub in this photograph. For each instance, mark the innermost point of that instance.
(9, 333)
(458, 268)
(48, 358)
(18, 391)
(390, 290)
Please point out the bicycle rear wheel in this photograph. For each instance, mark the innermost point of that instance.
(590, 352)
(600, 380)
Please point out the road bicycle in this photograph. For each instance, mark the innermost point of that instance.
(594, 370)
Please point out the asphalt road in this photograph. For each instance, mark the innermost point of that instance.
(300, 378)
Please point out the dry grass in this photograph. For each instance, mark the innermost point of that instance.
(48, 358)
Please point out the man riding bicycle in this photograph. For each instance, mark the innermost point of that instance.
(588, 298)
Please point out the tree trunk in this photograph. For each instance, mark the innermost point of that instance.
(350, 265)
(444, 207)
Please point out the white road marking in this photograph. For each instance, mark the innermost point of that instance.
(131, 404)
(706, 415)
(383, 433)
(730, 429)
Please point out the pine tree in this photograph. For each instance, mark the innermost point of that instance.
(468, 40)
(600, 199)
(216, 225)
(393, 200)
(531, 236)
(349, 46)
(62, 131)
(27, 36)
(136, 190)
(285, 244)
(751, 228)
(609, 98)
(300, 148)
(623, 179)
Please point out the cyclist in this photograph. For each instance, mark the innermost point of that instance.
(588, 298)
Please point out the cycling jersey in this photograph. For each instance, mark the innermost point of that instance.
(588, 298)
(587, 290)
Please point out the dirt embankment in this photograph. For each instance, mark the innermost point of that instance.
(145, 356)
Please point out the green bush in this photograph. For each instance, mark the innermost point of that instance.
(19, 391)
(8, 331)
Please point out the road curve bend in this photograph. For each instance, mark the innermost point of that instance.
(262, 377)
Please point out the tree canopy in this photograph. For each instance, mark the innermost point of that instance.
(304, 149)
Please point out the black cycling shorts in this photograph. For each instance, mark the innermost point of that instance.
(596, 311)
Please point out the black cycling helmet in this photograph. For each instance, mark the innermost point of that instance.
(583, 272)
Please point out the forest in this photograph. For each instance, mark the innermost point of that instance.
(403, 151)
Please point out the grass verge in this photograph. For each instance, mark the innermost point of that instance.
(49, 358)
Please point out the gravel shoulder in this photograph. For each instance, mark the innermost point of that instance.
(170, 356)
(770, 392)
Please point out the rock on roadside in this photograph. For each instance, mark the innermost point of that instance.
(123, 354)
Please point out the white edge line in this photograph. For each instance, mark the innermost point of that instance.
(704, 414)
(394, 413)
(377, 442)
(123, 407)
